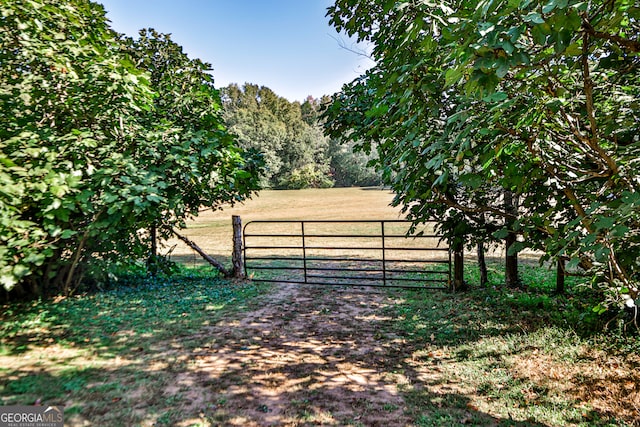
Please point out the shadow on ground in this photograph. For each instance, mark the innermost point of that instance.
(297, 356)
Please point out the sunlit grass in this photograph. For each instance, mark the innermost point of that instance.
(516, 356)
(99, 354)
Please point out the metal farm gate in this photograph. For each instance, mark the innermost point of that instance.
(357, 253)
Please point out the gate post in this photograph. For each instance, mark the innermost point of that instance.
(236, 256)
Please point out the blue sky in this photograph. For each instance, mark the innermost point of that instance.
(286, 45)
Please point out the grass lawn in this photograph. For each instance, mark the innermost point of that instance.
(519, 355)
(194, 349)
(112, 356)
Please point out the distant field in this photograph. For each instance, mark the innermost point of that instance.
(212, 230)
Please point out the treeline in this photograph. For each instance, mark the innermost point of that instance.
(291, 139)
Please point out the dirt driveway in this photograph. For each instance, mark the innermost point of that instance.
(304, 356)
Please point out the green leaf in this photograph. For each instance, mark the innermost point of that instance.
(501, 234)
(503, 67)
(563, 39)
(471, 180)
(378, 110)
(603, 222)
(20, 271)
(534, 17)
(600, 309)
(67, 234)
(495, 97)
(453, 76)
(620, 231)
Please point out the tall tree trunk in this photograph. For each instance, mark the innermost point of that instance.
(154, 241)
(152, 261)
(75, 262)
(482, 264)
(512, 279)
(458, 268)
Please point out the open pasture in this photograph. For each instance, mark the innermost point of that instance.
(212, 230)
(326, 232)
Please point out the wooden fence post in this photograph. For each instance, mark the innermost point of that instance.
(236, 256)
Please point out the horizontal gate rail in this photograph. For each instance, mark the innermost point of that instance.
(322, 253)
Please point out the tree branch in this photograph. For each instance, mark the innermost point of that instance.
(629, 44)
(202, 253)
(588, 91)
(478, 210)
(358, 52)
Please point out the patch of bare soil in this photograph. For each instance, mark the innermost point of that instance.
(306, 356)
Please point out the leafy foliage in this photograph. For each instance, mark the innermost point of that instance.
(350, 166)
(536, 98)
(308, 176)
(189, 147)
(90, 154)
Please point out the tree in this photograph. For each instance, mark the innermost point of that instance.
(83, 163)
(256, 128)
(65, 105)
(351, 167)
(189, 146)
(539, 98)
(293, 145)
